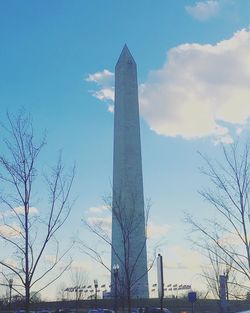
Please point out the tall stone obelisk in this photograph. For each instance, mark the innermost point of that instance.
(128, 216)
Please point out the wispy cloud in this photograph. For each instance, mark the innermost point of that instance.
(97, 209)
(102, 221)
(157, 230)
(104, 94)
(9, 228)
(50, 259)
(10, 231)
(81, 267)
(181, 258)
(101, 216)
(203, 10)
(10, 262)
(19, 211)
(105, 81)
(100, 77)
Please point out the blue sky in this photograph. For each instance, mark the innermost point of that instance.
(193, 71)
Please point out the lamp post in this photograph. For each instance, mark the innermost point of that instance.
(10, 286)
(160, 280)
(226, 274)
(115, 272)
(76, 291)
(96, 286)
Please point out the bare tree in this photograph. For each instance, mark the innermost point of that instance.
(127, 262)
(27, 232)
(215, 268)
(225, 238)
(79, 280)
(61, 291)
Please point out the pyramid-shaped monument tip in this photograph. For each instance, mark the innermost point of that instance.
(126, 49)
(125, 56)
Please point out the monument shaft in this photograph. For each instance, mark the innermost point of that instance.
(128, 217)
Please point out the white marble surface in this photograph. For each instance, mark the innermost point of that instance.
(128, 199)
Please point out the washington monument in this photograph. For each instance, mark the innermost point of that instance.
(128, 216)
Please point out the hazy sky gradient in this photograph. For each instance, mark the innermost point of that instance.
(57, 61)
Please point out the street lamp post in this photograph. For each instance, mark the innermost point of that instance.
(115, 271)
(76, 291)
(96, 286)
(10, 286)
(160, 280)
(226, 274)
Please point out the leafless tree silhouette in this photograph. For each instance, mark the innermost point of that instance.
(27, 232)
(127, 262)
(225, 239)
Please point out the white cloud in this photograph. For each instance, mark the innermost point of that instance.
(203, 10)
(50, 259)
(102, 221)
(10, 262)
(200, 90)
(101, 216)
(100, 77)
(104, 94)
(10, 231)
(105, 80)
(19, 211)
(157, 230)
(111, 108)
(190, 259)
(80, 267)
(99, 209)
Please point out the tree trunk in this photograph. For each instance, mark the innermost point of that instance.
(27, 298)
(129, 299)
(27, 282)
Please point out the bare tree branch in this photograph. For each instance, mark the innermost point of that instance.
(225, 239)
(17, 174)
